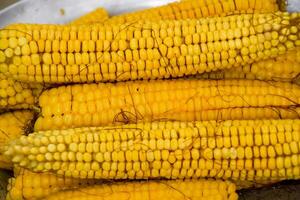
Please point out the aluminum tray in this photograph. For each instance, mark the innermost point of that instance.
(62, 11)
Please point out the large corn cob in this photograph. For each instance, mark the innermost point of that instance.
(184, 100)
(153, 190)
(17, 95)
(259, 150)
(30, 186)
(282, 68)
(143, 50)
(12, 125)
(96, 16)
(197, 9)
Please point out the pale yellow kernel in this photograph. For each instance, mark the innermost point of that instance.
(22, 41)
(2, 57)
(9, 52)
(13, 42)
(61, 147)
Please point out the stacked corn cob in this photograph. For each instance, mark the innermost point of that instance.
(244, 131)
(147, 50)
(30, 185)
(184, 100)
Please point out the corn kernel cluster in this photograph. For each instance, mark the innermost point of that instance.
(185, 100)
(17, 95)
(143, 50)
(282, 68)
(34, 186)
(12, 125)
(238, 150)
(196, 9)
(153, 190)
(97, 16)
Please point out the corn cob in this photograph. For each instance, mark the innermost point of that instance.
(196, 9)
(12, 125)
(29, 185)
(254, 150)
(283, 68)
(144, 50)
(96, 16)
(184, 100)
(17, 95)
(153, 190)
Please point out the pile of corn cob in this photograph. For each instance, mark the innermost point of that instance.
(188, 100)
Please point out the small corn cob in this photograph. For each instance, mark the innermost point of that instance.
(283, 68)
(153, 190)
(196, 9)
(28, 185)
(12, 125)
(96, 16)
(254, 150)
(143, 50)
(184, 100)
(17, 95)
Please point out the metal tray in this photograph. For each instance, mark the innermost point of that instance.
(62, 11)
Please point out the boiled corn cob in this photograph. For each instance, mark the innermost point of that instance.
(17, 95)
(28, 185)
(96, 16)
(254, 150)
(282, 68)
(196, 9)
(185, 100)
(153, 190)
(144, 50)
(12, 125)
